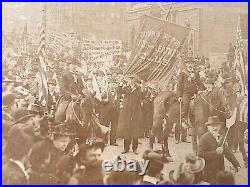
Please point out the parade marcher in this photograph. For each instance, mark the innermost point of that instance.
(129, 124)
(187, 87)
(109, 112)
(235, 134)
(14, 171)
(148, 109)
(211, 149)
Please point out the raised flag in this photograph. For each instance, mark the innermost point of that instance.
(240, 62)
(156, 46)
(42, 67)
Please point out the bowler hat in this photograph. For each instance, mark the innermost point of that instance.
(213, 121)
(197, 164)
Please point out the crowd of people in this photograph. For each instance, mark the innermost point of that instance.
(38, 150)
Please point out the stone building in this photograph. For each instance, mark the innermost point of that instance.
(214, 25)
(96, 19)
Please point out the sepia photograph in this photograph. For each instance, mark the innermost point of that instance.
(135, 93)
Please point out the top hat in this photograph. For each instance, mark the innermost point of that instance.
(213, 121)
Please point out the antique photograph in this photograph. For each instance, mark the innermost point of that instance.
(125, 93)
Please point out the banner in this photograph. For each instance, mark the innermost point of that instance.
(156, 46)
(101, 51)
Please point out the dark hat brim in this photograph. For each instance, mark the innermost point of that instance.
(213, 123)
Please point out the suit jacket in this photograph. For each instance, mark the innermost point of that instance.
(214, 161)
(187, 85)
(13, 174)
(109, 108)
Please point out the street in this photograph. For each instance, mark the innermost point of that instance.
(178, 152)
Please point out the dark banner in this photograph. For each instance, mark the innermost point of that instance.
(155, 48)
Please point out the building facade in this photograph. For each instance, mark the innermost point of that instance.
(214, 25)
(93, 20)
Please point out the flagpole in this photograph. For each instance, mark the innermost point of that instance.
(45, 29)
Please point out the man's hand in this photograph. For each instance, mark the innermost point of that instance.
(219, 150)
(237, 169)
(180, 99)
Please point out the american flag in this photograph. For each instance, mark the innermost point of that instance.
(240, 64)
(42, 81)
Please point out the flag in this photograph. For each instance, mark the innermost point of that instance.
(42, 67)
(240, 63)
(156, 47)
(96, 88)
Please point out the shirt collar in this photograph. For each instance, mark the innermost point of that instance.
(20, 165)
(150, 179)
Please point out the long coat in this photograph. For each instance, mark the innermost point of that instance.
(130, 118)
(214, 162)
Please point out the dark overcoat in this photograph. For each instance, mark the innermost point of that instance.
(130, 118)
(214, 162)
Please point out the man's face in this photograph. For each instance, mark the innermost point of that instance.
(92, 156)
(61, 142)
(214, 130)
(190, 67)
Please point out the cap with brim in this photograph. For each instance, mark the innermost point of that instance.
(213, 121)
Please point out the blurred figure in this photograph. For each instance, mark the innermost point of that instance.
(154, 170)
(89, 164)
(17, 148)
(225, 178)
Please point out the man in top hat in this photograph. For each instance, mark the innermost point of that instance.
(212, 150)
(188, 84)
(129, 124)
(109, 112)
